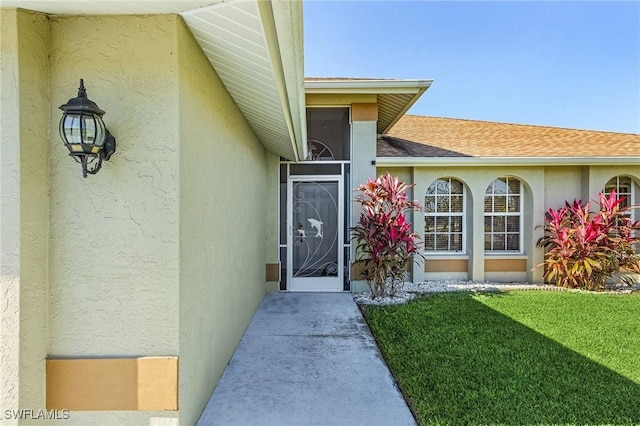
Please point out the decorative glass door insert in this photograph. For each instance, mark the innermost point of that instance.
(315, 240)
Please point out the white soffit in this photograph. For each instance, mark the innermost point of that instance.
(243, 40)
(395, 97)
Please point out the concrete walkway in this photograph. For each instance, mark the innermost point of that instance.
(307, 359)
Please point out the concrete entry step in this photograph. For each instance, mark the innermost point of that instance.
(307, 359)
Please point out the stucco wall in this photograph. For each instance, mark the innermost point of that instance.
(9, 211)
(545, 187)
(114, 235)
(25, 207)
(222, 227)
(34, 203)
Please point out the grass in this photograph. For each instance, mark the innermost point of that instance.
(515, 358)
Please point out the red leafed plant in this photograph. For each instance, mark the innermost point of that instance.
(585, 249)
(385, 240)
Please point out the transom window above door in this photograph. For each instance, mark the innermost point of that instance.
(444, 217)
(328, 134)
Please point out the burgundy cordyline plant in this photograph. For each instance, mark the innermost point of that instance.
(385, 242)
(585, 249)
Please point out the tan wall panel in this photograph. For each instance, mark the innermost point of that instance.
(273, 272)
(99, 384)
(364, 112)
(337, 99)
(444, 265)
(505, 265)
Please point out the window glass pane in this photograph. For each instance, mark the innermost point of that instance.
(488, 207)
(457, 204)
(487, 242)
(456, 186)
(489, 189)
(456, 223)
(624, 185)
(443, 186)
(430, 224)
(513, 242)
(456, 242)
(432, 188)
(442, 224)
(514, 186)
(487, 224)
(499, 204)
(498, 224)
(430, 203)
(513, 224)
(514, 203)
(442, 242)
(498, 242)
(443, 204)
(500, 186)
(429, 242)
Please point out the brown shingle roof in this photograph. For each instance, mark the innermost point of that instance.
(419, 136)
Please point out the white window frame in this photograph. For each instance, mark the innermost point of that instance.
(504, 214)
(629, 195)
(448, 215)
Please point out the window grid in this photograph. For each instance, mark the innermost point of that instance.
(624, 188)
(502, 216)
(444, 217)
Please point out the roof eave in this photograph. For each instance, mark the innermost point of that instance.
(367, 86)
(503, 161)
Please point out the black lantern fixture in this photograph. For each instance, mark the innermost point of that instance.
(84, 133)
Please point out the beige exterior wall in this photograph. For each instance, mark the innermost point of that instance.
(162, 253)
(24, 224)
(545, 187)
(222, 227)
(114, 236)
(10, 212)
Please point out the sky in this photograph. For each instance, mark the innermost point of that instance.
(550, 63)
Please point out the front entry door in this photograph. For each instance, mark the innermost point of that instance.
(315, 233)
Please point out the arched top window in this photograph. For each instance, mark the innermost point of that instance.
(444, 217)
(624, 187)
(503, 216)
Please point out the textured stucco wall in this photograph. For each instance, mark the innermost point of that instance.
(34, 203)
(562, 184)
(25, 205)
(114, 235)
(9, 212)
(476, 180)
(272, 217)
(222, 227)
(363, 151)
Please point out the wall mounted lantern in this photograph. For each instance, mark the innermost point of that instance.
(84, 133)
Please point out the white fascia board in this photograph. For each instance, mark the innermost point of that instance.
(279, 23)
(404, 110)
(367, 86)
(503, 161)
(289, 27)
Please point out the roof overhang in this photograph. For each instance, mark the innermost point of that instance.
(503, 161)
(395, 97)
(255, 46)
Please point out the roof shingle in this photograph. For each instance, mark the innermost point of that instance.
(420, 136)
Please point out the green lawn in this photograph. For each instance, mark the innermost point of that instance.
(528, 357)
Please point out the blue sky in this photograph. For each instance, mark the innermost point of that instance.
(565, 64)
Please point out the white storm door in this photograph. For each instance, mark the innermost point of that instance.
(315, 233)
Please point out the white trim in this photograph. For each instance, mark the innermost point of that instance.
(367, 86)
(503, 161)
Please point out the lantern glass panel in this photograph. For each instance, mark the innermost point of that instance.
(71, 128)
